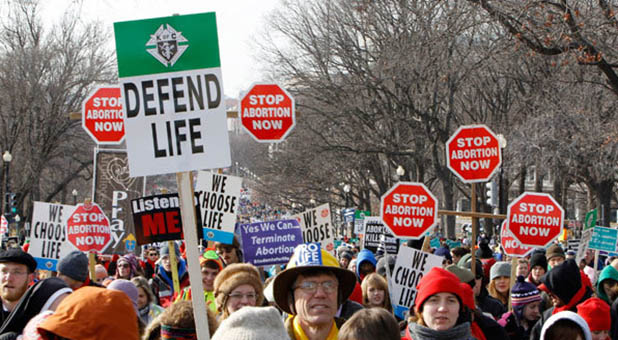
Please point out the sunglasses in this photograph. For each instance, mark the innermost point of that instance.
(153, 254)
(124, 265)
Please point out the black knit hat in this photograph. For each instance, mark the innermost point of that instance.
(17, 255)
(538, 259)
(74, 265)
(563, 280)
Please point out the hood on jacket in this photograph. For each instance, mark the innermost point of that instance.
(563, 280)
(609, 272)
(92, 313)
(38, 298)
(364, 255)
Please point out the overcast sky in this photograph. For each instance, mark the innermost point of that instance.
(238, 22)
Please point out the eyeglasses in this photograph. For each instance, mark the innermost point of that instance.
(225, 250)
(153, 254)
(13, 272)
(124, 265)
(239, 296)
(311, 287)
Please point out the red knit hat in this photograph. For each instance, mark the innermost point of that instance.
(437, 281)
(468, 295)
(596, 313)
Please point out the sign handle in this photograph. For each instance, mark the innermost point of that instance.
(475, 222)
(91, 263)
(189, 221)
(426, 243)
(513, 278)
(173, 263)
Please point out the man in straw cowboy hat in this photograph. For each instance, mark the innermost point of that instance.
(311, 289)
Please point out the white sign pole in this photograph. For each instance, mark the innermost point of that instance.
(187, 210)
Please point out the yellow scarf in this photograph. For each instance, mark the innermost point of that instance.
(299, 334)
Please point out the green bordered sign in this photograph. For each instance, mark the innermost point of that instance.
(169, 72)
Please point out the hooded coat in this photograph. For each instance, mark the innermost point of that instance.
(364, 255)
(162, 286)
(609, 272)
(36, 299)
(564, 281)
(92, 313)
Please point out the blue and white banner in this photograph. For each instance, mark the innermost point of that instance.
(268, 243)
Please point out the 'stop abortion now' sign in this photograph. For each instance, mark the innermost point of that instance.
(473, 153)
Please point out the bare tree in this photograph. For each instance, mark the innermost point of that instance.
(45, 73)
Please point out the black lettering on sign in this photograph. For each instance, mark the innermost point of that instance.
(163, 96)
(177, 133)
(131, 91)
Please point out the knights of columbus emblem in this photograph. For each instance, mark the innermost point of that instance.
(166, 45)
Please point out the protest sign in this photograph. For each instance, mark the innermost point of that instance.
(317, 227)
(48, 235)
(359, 218)
(113, 191)
(453, 244)
(169, 72)
(217, 196)
(268, 243)
(157, 218)
(583, 244)
(510, 245)
(377, 235)
(411, 265)
(603, 239)
(88, 229)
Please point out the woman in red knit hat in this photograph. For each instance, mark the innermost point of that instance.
(596, 312)
(439, 309)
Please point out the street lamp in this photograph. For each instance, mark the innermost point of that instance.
(74, 194)
(501, 194)
(400, 172)
(312, 201)
(346, 189)
(7, 158)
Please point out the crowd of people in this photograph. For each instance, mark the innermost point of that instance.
(316, 296)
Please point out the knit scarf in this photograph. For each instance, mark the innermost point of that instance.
(143, 313)
(418, 332)
(299, 334)
(173, 333)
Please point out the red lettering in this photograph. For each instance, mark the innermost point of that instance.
(153, 224)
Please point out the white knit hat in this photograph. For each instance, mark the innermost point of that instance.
(252, 323)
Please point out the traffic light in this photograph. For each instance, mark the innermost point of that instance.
(492, 193)
(12, 203)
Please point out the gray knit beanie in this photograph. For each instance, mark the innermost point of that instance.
(74, 265)
(500, 269)
(252, 323)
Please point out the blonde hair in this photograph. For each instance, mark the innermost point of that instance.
(502, 297)
(376, 280)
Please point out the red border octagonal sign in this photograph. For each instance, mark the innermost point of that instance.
(535, 219)
(88, 229)
(409, 209)
(510, 245)
(267, 112)
(473, 153)
(102, 115)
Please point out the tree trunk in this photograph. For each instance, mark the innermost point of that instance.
(522, 179)
(604, 195)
